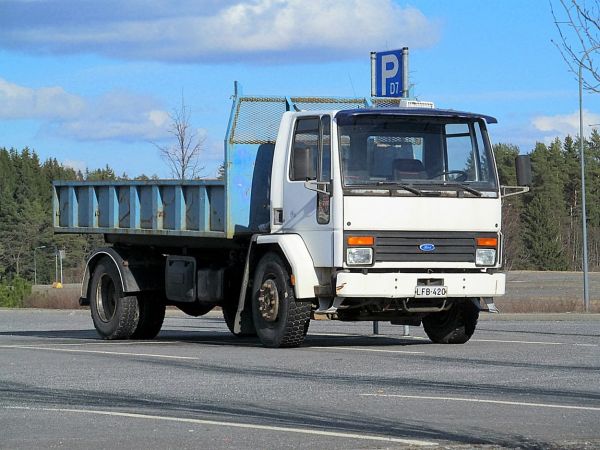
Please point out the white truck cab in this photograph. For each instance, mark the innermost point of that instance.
(399, 210)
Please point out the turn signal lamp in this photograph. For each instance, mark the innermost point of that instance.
(360, 240)
(487, 242)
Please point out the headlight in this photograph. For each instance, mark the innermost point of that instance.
(357, 256)
(485, 256)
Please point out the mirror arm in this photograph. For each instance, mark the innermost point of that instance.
(313, 185)
(516, 190)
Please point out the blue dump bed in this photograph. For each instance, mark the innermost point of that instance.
(234, 207)
(161, 207)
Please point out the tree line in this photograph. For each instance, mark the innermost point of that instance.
(542, 229)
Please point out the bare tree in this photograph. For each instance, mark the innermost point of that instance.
(578, 24)
(183, 156)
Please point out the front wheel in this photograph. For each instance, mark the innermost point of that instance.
(115, 315)
(455, 326)
(279, 319)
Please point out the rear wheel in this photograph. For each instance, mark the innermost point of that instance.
(114, 314)
(455, 326)
(280, 320)
(152, 315)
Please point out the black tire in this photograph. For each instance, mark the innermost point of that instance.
(152, 315)
(306, 327)
(247, 325)
(115, 315)
(455, 326)
(288, 322)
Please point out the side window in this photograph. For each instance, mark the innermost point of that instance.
(325, 159)
(459, 145)
(485, 174)
(305, 148)
(324, 200)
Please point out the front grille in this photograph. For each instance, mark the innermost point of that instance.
(403, 246)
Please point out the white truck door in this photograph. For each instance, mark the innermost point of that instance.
(307, 211)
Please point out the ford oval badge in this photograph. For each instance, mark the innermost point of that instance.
(427, 247)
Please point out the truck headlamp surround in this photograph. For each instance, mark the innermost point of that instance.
(485, 257)
(359, 256)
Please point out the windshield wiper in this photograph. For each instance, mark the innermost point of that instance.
(410, 189)
(464, 187)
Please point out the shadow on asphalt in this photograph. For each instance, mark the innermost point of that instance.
(280, 414)
(210, 337)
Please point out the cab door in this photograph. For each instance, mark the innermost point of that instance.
(306, 198)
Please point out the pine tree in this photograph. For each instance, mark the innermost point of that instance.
(544, 211)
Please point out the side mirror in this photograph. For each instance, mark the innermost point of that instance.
(523, 167)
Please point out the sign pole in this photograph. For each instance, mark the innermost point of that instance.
(373, 74)
(405, 89)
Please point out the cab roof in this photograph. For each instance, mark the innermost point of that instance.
(345, 116)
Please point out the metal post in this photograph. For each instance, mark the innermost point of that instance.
(406, 331)
(373, 70)
(60, 257)
(55, 264)
(405, 90)
(586, 294)
(375, 327)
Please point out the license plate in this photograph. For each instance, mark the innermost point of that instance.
(431, 291)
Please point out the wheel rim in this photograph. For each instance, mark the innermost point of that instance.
(106, 299)
(268, 301)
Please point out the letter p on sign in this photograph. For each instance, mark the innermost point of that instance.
(388, 74)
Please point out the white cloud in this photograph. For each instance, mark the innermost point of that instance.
(18, 102)
(566, 124)
(256, 31)
(116, 115)
(75, 164)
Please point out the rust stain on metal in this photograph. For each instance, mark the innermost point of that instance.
(339, 288)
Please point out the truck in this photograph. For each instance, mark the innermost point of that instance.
(351, 209)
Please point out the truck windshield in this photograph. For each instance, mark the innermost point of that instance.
(436, 152)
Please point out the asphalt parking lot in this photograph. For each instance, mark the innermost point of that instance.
(522, 381)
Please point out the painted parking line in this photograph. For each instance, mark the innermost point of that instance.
(421, 338)
(99, 352)
(96, 343)
(479, 400)
(337, 434)
(360, 349)
(503, 341)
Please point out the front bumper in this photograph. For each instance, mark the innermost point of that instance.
(403, 285)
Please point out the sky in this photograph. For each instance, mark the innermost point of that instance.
(92, 83)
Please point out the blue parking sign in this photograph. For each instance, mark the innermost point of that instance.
(388, 74)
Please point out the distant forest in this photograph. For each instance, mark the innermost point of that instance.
(542, 228)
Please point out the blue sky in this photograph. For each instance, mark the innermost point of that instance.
(91, 83)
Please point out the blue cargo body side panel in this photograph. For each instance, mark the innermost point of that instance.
(157, 207)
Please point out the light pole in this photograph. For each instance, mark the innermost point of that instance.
(35, 264)
(55, 265)
(586, 293)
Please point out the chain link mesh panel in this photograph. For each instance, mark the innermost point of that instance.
(383, 102)
(256, 120)
(319, 103)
